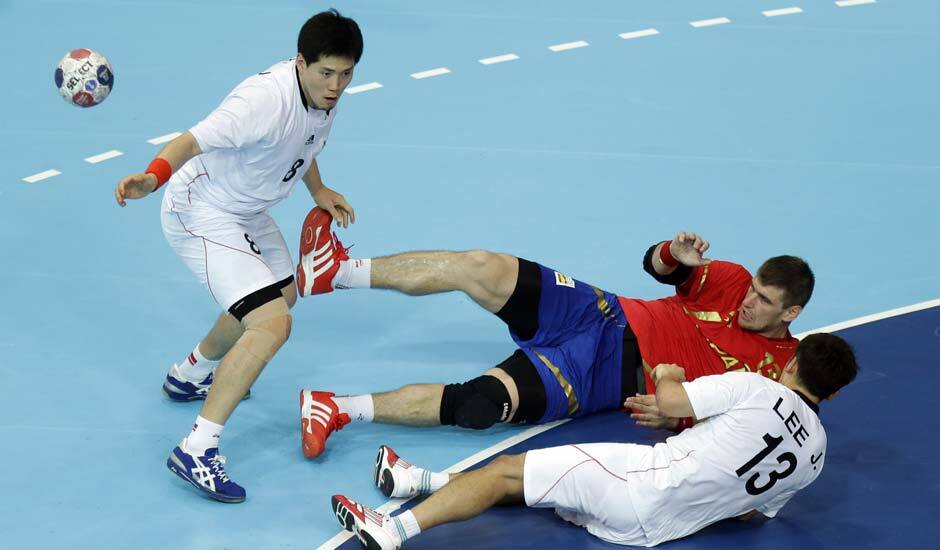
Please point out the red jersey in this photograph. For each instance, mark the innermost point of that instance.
(698, 329)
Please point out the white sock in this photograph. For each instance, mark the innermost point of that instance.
(354, 274)
(427, 481)
(405, 524)
(205, 435)
(196, 367)
(358, 407)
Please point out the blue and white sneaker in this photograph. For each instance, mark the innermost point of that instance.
(179, 388)
(206, 473)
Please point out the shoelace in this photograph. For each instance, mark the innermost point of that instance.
(335, 423)
(217, 462)
(342, 252)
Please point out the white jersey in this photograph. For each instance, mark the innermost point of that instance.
(760, 443)
(255, 146)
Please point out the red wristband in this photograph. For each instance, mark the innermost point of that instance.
(161, 168)
(665, 255)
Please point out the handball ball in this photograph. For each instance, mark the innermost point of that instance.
(84, 77)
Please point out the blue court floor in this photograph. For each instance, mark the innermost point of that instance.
(808, 133)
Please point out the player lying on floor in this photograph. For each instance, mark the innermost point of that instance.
(581, 349)
(759, 443)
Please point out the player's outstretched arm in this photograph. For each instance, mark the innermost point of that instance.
(671, 397)
(175, 154)
(327, 199)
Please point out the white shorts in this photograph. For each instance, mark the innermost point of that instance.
(585, 485)
(231, 255)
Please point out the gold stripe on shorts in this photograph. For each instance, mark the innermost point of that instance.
(565, 385)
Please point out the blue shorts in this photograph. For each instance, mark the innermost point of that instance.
(577, 347)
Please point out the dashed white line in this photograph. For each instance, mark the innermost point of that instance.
(165, 138)
(499, 59)
(848, 3)
(363, 88)
(782, 11)
(428, 74)
(638, 34)
(41, 176)
(103, 156)
(568, 46)
(710, 22)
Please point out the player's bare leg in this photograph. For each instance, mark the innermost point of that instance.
(266, 330)
(191, 378)
(412, 405)
(471, 494)
(488, 278)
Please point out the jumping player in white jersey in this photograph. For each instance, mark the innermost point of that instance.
(224, 174)
(759, 443)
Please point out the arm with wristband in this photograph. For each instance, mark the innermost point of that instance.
(671, 262)
(175, 154)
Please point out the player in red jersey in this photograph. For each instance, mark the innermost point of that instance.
(581, 349)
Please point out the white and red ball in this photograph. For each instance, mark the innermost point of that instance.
(84, 77)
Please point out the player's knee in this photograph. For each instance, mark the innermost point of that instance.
(508, 465)
(491, 271)
(480, 264)
(476, 404)
(263, 337)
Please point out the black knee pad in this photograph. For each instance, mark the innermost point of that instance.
(476, 404)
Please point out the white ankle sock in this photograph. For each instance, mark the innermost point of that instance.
(405, 524)
(427, 481)
(196, 367)
(354, 274)
(205, 435)
(358, 407)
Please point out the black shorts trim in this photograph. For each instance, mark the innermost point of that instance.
(255, 300)
(521, 311)
(532, 399)
(284, 283)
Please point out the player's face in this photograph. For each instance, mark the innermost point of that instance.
(762, 309)
(325, 80)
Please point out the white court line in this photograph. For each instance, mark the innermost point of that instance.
(568, 46)
(428, 74)
(164, 138)
(396, 503)
(103, 156)
(363, 88)
(848, 3)
(782, 11)
(873, 317)
(710, 22)
(41, 176)
(499, 59)
(638, 34)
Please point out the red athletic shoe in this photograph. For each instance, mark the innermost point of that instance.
(319, 417)
(320, 254)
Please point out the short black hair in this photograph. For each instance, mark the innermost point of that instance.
(793, 275)
(329, 34)
(826, 364)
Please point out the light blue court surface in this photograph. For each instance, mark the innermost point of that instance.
(812, 133)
